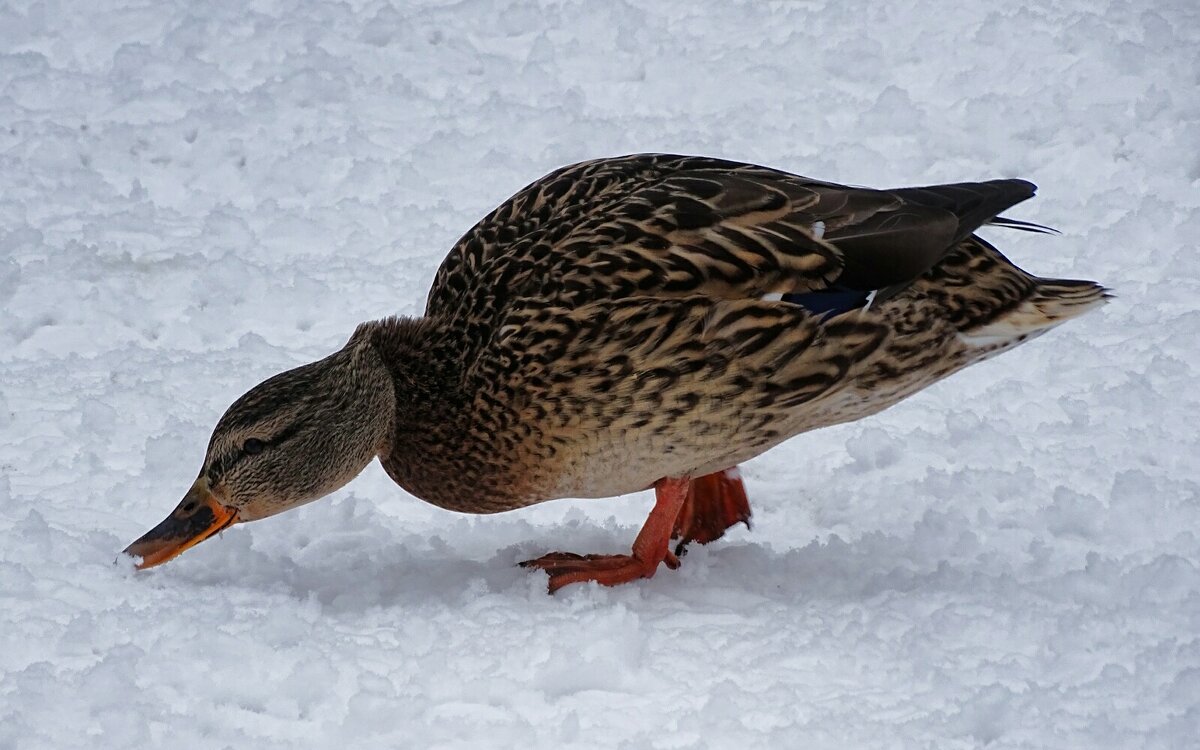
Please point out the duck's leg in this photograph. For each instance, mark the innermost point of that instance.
(651, 547)
(715, 502)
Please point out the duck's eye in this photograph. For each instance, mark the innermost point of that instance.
(253, 446)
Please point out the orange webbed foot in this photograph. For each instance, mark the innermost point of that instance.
(715, 502)
(565, 568)
(652, 546)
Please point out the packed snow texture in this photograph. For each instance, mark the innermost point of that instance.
(194, 196)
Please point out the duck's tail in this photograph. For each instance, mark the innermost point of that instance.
(1053, 301)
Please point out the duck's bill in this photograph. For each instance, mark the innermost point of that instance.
(198, 516)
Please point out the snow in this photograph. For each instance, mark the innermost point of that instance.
(195, 196)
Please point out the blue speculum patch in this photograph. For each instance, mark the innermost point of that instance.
(831, 301)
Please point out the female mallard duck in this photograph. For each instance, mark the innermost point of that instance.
(648, 320)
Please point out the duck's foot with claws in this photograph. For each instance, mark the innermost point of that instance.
(651, 547)
(608, 570)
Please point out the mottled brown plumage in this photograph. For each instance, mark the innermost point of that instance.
(624, 323)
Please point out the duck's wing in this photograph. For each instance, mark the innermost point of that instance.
(658, 225)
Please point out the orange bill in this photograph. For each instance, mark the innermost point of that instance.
(198, 516)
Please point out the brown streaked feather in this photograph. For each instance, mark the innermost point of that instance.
(654, 386)
(664, 225)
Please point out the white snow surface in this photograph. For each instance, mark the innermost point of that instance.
(194, 196)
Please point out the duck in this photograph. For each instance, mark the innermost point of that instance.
(636, 322)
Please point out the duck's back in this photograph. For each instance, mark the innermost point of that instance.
(666, 226)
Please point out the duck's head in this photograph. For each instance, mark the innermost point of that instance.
(290, 440)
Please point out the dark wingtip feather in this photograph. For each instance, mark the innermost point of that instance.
(1024, 226)
(972, 203)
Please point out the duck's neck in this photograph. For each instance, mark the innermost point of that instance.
(430, 406)
(425, 377)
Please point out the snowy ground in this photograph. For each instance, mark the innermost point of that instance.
(193, 197)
